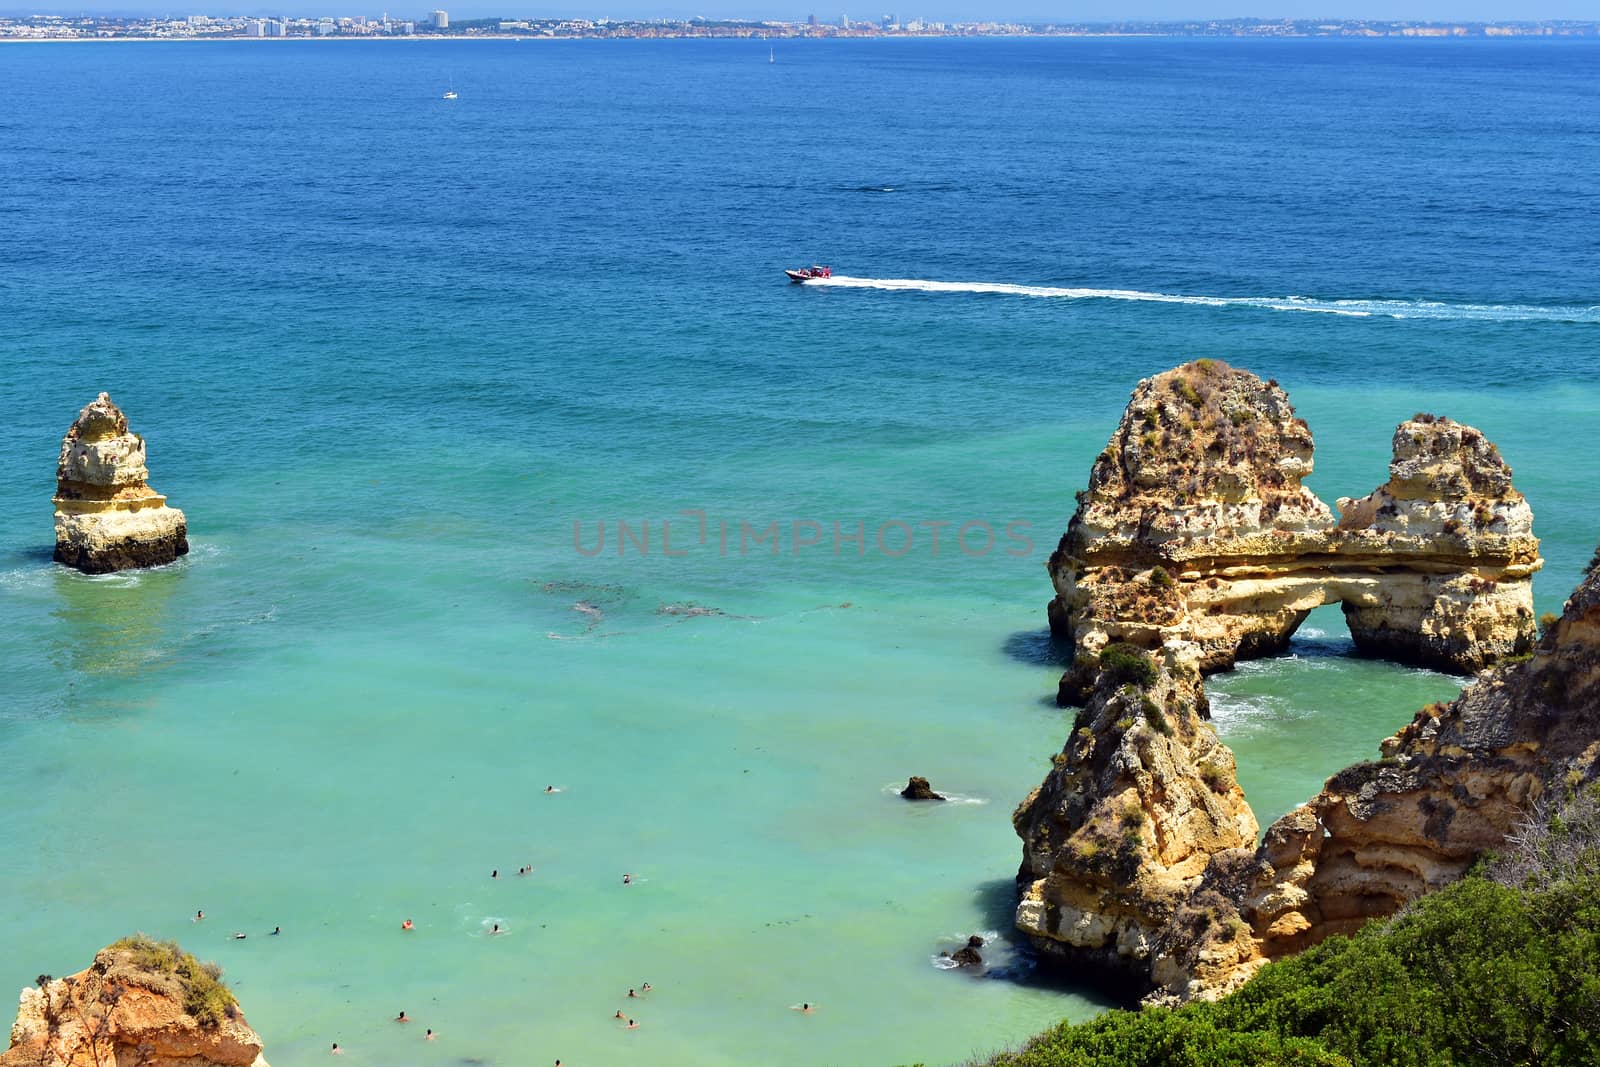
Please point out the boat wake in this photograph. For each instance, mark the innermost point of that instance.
(1395, 309)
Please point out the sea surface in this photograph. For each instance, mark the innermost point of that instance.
(422, 372)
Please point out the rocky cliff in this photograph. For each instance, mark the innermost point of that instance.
(1196, 527)
(1124, 826)
(1196, 545)
(142, 1003)
(107, 516)
(1452, 784)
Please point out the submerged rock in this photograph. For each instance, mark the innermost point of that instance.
(917, 788)
(107, 517)
(136, 1004)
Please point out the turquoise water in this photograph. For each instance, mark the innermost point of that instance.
(388, 351)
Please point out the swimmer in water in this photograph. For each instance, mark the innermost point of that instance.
(336, 1050)
(627, 879)
(428, 1036)
(403, 1018)
(496, 929)
(619, 1014)
(199, 915)
(494, 873)
(804, 1009)
(645, 988)
(276, 930)
(632, 1025)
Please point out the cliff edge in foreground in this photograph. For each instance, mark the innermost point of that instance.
(142, 1002)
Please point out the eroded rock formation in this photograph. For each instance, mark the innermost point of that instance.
(1123, 827)
(1196, 545)
(1451, 784)
(107, 517)
(1196, 527)
(121, 1010)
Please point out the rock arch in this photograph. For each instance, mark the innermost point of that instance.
(1196, 527)
(1196, 545)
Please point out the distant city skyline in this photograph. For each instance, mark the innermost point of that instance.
(1030, 11)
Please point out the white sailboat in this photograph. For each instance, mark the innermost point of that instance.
(770, 57)
(450, 93)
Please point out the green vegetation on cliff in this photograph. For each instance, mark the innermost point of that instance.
(1501, 968)
(162, 965)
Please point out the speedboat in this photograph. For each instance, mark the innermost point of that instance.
(806, 274)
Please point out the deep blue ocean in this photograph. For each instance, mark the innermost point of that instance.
(399, 358)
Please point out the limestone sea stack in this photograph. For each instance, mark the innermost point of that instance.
(1122, 829)
(1196, 545)
(1195, 527)
(107, 516)
(141, 1002)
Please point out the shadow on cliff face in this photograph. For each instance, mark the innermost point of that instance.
(1012, 958)
(30, 556)
(1038, 648)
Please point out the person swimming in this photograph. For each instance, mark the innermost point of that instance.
(428, 1036)
(407, 925)
(336, 1050)
(632, 1025)
(496, 929)
(276, 930)
(804, 1009)
(631, 993)
(645, 988)
(627, 879)
(494, 873)
(619, 1014)
(199, 915)
(403, 1018)
(552, 789)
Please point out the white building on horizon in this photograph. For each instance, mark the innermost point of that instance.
(440, 20)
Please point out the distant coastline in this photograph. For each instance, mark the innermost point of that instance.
(235, 28)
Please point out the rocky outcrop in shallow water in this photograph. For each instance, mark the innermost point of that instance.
(107, 516)
(917, 788)
(122, 1010)
(1196, 527)
(1196, 545)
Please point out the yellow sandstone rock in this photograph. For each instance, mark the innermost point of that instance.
(107, 517)
(1196, 545)
(122, 1010)
(1195, 527)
